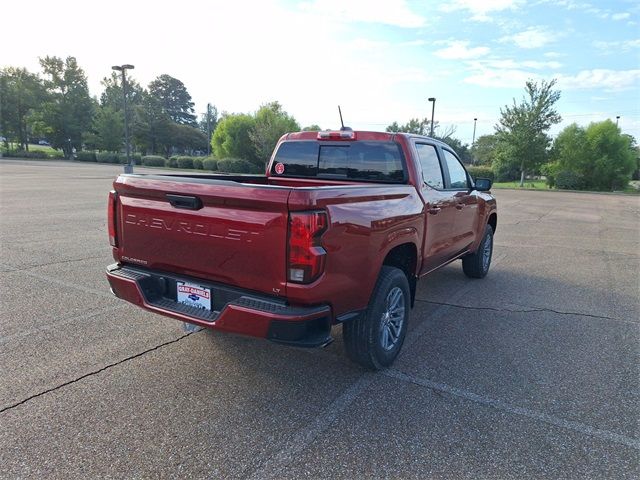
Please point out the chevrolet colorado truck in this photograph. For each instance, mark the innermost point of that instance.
(338, 231)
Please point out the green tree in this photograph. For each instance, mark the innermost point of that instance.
(68, 112)
(415, 126)
(232, 137)
(109, 129)
(312, 128)
(213, 121)
(484, 150)
(188, 139)
(151, 127)
(600, 155)
(112, 94)
(21, 93)
(174, 99)
(271, 122)
(524, 126)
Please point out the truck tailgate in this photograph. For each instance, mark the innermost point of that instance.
(218, 230)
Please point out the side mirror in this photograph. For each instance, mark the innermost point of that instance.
(483, 184)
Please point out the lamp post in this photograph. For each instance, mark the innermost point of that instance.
(473, 142)
(433, 109)
(128, 168)
(208, 129)
(617, 118)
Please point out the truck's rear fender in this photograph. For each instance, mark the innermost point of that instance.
(365, 224)
(488, 215)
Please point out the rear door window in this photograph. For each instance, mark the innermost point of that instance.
(431, 170)
(365, 161)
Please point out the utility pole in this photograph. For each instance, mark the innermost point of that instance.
(128, 168)
(433, 109)
(208, 129)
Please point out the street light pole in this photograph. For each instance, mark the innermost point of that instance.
(473, 142)
(617, 118)
(208, 129)
(128, 168)
(433, 109)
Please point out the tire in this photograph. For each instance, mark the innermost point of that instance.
(374, 339)
(476, 265)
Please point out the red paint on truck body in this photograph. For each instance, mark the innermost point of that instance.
(238, 238)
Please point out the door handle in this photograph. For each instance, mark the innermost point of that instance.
(435, 209)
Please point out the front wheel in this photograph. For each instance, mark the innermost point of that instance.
(476, 265)
(375, 338)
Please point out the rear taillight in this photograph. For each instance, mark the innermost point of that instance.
(111, 218)
(306, 255)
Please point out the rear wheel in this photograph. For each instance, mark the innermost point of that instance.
(477, 265)
(375, 338)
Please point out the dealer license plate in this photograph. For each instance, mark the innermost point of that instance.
(194, 295)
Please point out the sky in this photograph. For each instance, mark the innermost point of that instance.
(379, 60)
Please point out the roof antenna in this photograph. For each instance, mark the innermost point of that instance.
(342, 128)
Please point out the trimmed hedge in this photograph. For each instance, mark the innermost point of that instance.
(184, 162)
(172, 162)
(24, 154)
(153, 161)
(237, 165)
(197, 163)
(210, 163)
(86, 156)
(480, 172)
(108, 157)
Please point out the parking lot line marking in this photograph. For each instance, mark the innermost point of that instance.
(507, 407)
(304, 437)
(103, 293)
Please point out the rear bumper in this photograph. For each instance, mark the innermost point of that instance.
(233, 310)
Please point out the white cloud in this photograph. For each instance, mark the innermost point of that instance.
(413, 43)
(533, 37)
(386, 12)
(554, 55)
(617, 46)
(604, 79)
(480, 9)
(508, 78)
(620, 16)
(459, 50)
(366, 44)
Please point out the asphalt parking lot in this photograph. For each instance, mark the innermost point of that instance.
(531, 372)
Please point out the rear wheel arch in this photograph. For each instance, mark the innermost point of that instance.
(405, 258)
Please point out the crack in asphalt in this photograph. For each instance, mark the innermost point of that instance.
(529, 310)
(95, 372)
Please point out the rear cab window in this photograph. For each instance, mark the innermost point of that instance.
(368, 161)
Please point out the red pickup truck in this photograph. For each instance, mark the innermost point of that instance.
(339, 230)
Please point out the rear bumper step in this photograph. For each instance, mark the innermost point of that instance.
(233, 310)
